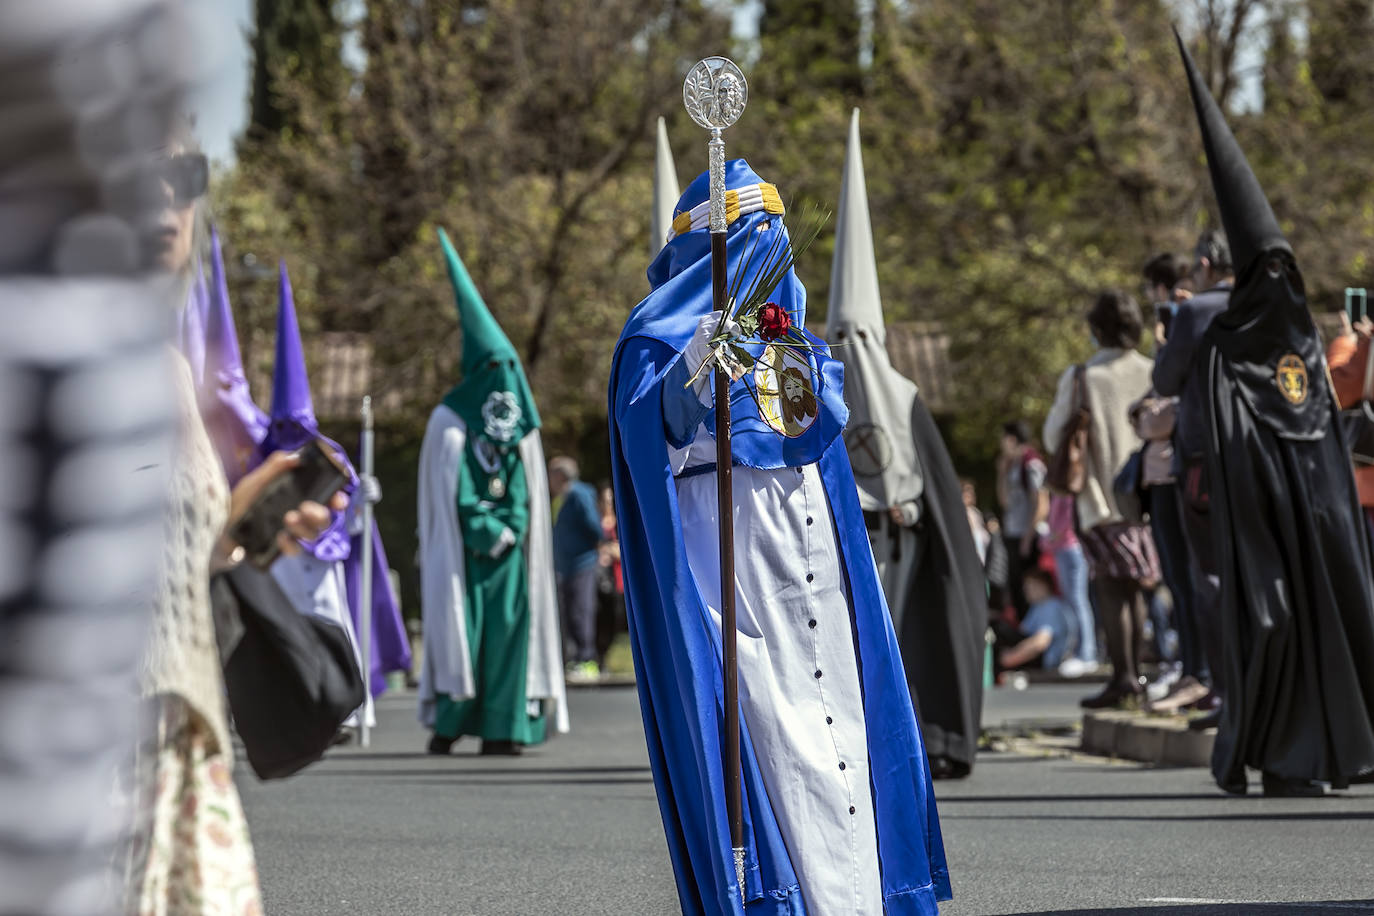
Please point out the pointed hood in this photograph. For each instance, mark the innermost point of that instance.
(494, 398)
(222, 352)
(191, 333)
(855, 301)
(236, 424)
(293, 410)
(1251, 228)
(1273, 353)
(666, 191)
(681, 293)
(293, 422)
(878, 437)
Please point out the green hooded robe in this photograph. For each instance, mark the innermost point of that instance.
(498, 409)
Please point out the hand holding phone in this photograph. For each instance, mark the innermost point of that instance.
(1356, 305)
(287, 498)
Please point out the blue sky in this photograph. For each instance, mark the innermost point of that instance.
(221, 106)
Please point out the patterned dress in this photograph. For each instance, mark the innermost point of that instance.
(190, 854)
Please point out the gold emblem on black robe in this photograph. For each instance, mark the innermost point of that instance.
(1292, 378)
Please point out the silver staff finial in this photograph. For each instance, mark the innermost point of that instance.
(715, 93)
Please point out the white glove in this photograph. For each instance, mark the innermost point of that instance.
(699, 351)
(369, 489)
(505, 542)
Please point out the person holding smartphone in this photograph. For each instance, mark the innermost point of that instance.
(1352, 378)
(190, 852)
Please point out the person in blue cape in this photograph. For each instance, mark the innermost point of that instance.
(839, 816)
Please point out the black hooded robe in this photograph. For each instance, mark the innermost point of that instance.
(1297, 603)
(941, 637)
(1293, 550)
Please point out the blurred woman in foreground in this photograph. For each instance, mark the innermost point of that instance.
(190, 852)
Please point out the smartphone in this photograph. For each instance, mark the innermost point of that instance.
(320, 475)
(1356, 304)
(1164, 314)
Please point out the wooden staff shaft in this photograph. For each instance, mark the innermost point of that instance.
(725, 502)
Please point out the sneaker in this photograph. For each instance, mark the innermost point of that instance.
(1076, 667)
(584, 673)
(1165, 684)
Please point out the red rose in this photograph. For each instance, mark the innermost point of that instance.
(774, 322)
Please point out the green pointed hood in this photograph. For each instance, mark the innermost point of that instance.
(494, 398)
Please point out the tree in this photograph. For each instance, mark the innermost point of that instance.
(1020, 157)
(296, 44)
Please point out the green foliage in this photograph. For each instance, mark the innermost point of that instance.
(1020, 157)
(296, 43)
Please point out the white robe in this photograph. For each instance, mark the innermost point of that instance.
(447, 667)
(318, 588)
(799, 676)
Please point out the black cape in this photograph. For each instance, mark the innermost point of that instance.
(1297, 604)
(941, 637)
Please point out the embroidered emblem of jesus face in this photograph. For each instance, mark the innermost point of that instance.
(787, 395)
(1291, 377)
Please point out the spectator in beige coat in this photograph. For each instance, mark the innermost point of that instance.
(1120, 553)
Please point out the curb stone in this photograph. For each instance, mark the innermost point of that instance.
(1147, 739)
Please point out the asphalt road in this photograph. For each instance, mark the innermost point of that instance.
(572, 828)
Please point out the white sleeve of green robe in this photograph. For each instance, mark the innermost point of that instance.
(544, 668)
(447, 667)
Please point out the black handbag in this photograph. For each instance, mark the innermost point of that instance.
(292, 679)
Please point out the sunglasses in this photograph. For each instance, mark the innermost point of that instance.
(186, 174)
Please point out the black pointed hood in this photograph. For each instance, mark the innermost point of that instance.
(1251, 227)
(1271, 356)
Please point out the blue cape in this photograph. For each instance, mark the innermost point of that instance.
(676, 647)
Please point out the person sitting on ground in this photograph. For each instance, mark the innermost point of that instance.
(1049, 632)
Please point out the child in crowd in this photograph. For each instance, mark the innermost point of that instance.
(1049, 631)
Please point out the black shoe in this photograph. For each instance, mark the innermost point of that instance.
(1114, 696)
(343, 736)
(943, 767)
(1202, 723)
(440, 746)
(1279, 787)
(501, 749)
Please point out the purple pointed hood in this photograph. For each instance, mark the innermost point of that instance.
(191, 325)
(292, 423)
(236, 424)
(293, 410)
